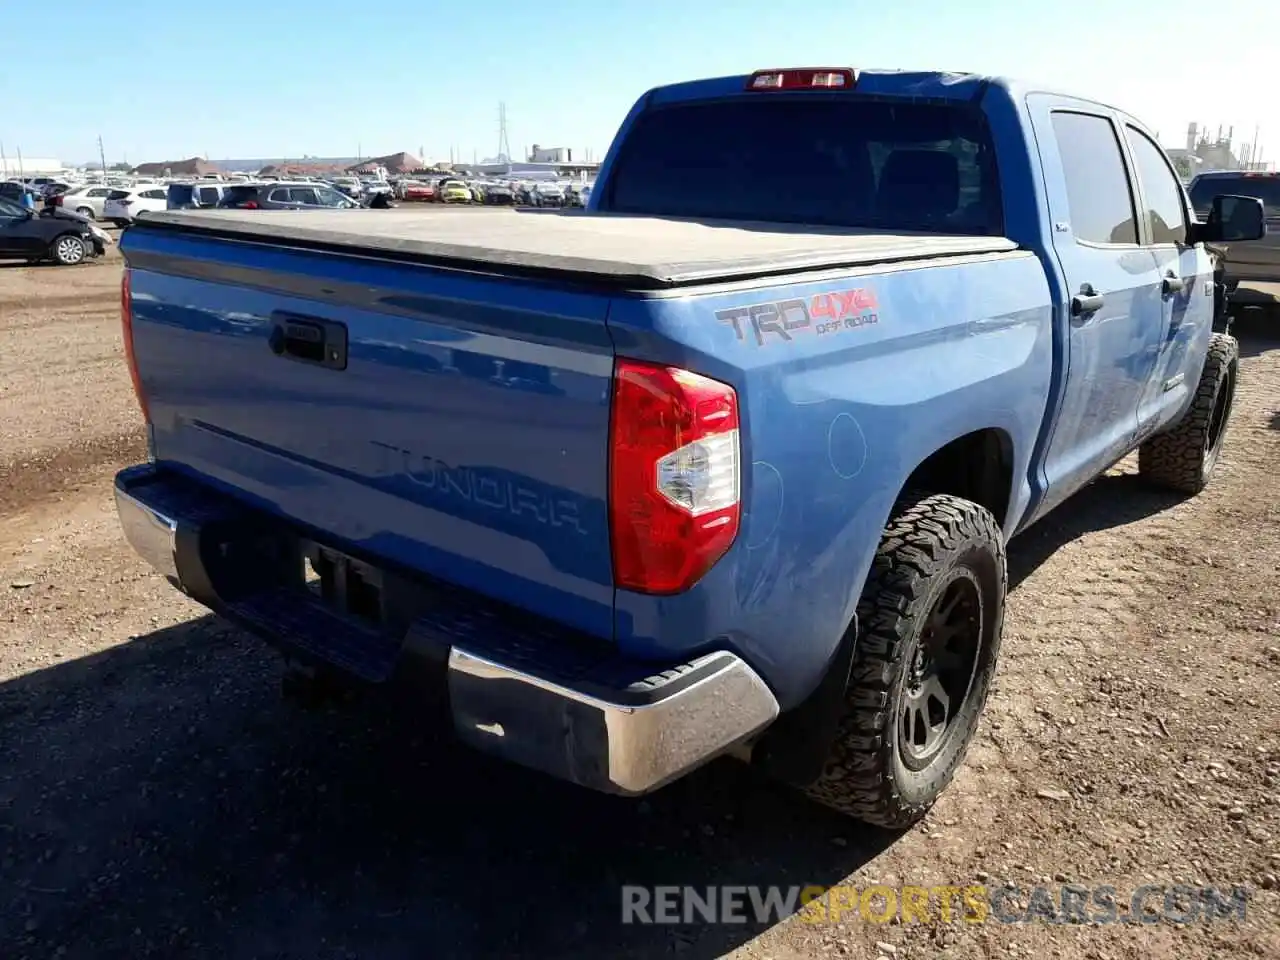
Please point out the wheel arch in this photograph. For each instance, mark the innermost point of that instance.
(978, 466)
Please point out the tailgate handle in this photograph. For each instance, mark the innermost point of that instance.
(309, 340)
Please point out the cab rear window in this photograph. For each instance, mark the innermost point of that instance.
(839, 160)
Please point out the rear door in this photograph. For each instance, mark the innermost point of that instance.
(1186, 278)
(1115, 306)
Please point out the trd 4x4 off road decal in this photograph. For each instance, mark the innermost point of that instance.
(822, 314)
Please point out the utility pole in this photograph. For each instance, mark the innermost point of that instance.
(22, 174)
(504, 147)
(4, 163)
(102, 155)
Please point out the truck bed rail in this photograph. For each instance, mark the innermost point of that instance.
(640, 253)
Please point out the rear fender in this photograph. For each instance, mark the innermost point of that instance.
(854, 381)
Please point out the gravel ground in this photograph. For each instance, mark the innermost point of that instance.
(158, 798)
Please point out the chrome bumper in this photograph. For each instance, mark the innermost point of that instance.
(612, 726)
(151, 533)
(619, 744)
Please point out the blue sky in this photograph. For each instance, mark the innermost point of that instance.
(282, 78)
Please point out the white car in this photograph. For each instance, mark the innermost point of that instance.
(87, 200)
(126, 204)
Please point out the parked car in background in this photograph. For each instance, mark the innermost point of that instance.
(348, 185)
(1245, 266)
(575, 194)
(497, 195)
(65, 238)
(548, 194)
(20, 193)
(125, 205)
(192, 196)
(453, 191)
(285, 196)
(419, 190)
(87, 200)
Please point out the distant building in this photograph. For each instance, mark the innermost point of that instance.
(1218, 151)
(395, 163)
(550, 154)
(30, 166)
(192, 167)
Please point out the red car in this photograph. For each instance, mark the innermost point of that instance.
(419, 191)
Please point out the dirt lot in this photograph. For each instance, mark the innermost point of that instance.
(157, 798)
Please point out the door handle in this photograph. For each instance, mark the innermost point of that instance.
(1173, 284)
(309, 340)
(1086, 301)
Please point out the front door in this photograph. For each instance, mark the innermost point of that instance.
(16, 231)
(1187, 280)
(1114, 308)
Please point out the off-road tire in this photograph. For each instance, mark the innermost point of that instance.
(1183, 457)
(930, 541)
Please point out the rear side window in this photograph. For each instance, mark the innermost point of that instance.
(118, 195)
(154, 194)
(1097, 182)
(208, 196)
(238, 195)
(1166, 211)
(838, 160)
(1266, 189)
(181, 193)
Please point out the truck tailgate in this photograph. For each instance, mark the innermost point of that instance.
(431, 418)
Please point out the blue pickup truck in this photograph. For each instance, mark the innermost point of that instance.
(724, 464)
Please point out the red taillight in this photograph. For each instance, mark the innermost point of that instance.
(126, 324)
(803, 78)
(674, 477)
(249, 205)
(57, 201)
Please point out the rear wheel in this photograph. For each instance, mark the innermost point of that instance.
(1183, 457)
(85, 212)
(68, 250)
(931, 617)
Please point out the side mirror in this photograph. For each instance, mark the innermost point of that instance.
(1234, 220)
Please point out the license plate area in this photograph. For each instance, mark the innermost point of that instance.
(348, 585)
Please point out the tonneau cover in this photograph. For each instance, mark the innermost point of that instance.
(639, 252)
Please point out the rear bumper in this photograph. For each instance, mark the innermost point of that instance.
(523, 691)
